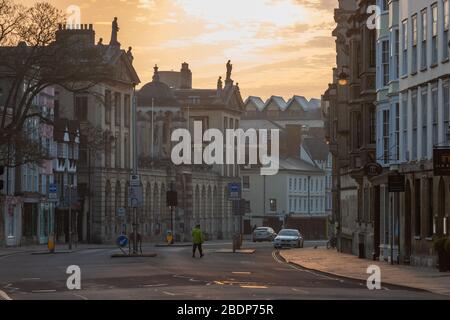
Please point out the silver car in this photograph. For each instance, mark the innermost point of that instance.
(264, 234)
(288, 238)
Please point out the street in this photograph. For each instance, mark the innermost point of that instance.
(174, 274)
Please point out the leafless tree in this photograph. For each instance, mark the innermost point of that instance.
(31, 60)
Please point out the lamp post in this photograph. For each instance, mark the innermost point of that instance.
(343, 78)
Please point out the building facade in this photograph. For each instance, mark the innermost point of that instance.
(351, 129)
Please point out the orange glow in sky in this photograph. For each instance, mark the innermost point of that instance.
(277, 47)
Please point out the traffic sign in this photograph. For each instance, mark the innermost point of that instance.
(122, 241)
(136, 197)
(52, 192)
(234, 191)
(121, 212)
(135, 180)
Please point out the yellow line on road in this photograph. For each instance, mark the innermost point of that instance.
(241, 272)
(254, 287)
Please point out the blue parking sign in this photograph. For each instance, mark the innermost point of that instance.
(234, 191)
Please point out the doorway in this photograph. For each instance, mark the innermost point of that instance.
(407, 239)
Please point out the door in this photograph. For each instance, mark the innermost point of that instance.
(407, 235)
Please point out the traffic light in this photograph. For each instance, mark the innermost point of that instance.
(2, 171)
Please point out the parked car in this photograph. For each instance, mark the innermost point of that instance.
(288, 238)
(264, 234)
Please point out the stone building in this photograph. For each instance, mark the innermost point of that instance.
(202, 189)
(104, 113)
(351, 128)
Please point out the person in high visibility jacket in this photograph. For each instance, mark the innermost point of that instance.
(197, 240)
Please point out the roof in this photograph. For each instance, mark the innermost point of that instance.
(290, 163)
(257, 102)
(258, 124)
(279, 101)
(316, 148)
(158, 93)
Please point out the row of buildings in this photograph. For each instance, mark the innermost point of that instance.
(299, 196)
(90, 137)
(387, 124)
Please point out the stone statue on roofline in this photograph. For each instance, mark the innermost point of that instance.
(229, 70)
(114, 31)
(130, 55)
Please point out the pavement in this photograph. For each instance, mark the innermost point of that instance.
(348, 266)
(174, 275)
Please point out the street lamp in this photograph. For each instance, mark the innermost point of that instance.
(343, 78)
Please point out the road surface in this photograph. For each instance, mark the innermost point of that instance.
(174, 274)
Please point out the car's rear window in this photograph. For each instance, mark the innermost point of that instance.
(288, 233)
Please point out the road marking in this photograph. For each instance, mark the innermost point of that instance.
(4, 296)
(253, 287)
(155, 285)
(80, 296)
(300, 290)
(43, 291)
(241, 272)
(218, 282)
(169, 293)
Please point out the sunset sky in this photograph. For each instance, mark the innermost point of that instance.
(277, 47)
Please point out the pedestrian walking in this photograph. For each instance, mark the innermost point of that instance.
(197, 240)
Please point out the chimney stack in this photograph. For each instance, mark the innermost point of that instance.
(185, 77)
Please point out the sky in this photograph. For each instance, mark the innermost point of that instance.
(277, 47)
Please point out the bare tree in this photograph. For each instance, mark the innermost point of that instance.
(33, 59)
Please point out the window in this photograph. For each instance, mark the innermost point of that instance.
(424, 102)
(107, 107)
(126, 146)
(446, 106)
(117, 145)
(424, 33)
(397, 132)
(273, 205)
(396, 54)
(435, 114)
(417, 216)
(126, 110)
(445, 49)
(117, 107)
(405, 46)
(81, 108)
(414, 125)
(386, 136)
(373, 124)
(385, 62)
(246, 182)
(434, 32)
(405, 125)
(414, 44)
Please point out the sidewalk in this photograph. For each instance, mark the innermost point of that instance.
(6, 251)
(349, 266)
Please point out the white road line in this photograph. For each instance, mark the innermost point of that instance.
(43, 291)
(169, 293)
(80, 296)
(155, 285)
(4, 296)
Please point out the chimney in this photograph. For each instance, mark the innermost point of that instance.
(83, 35)
(292, 141)
(185, 77)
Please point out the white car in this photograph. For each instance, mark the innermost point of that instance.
(264, 234)
(288, 238)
